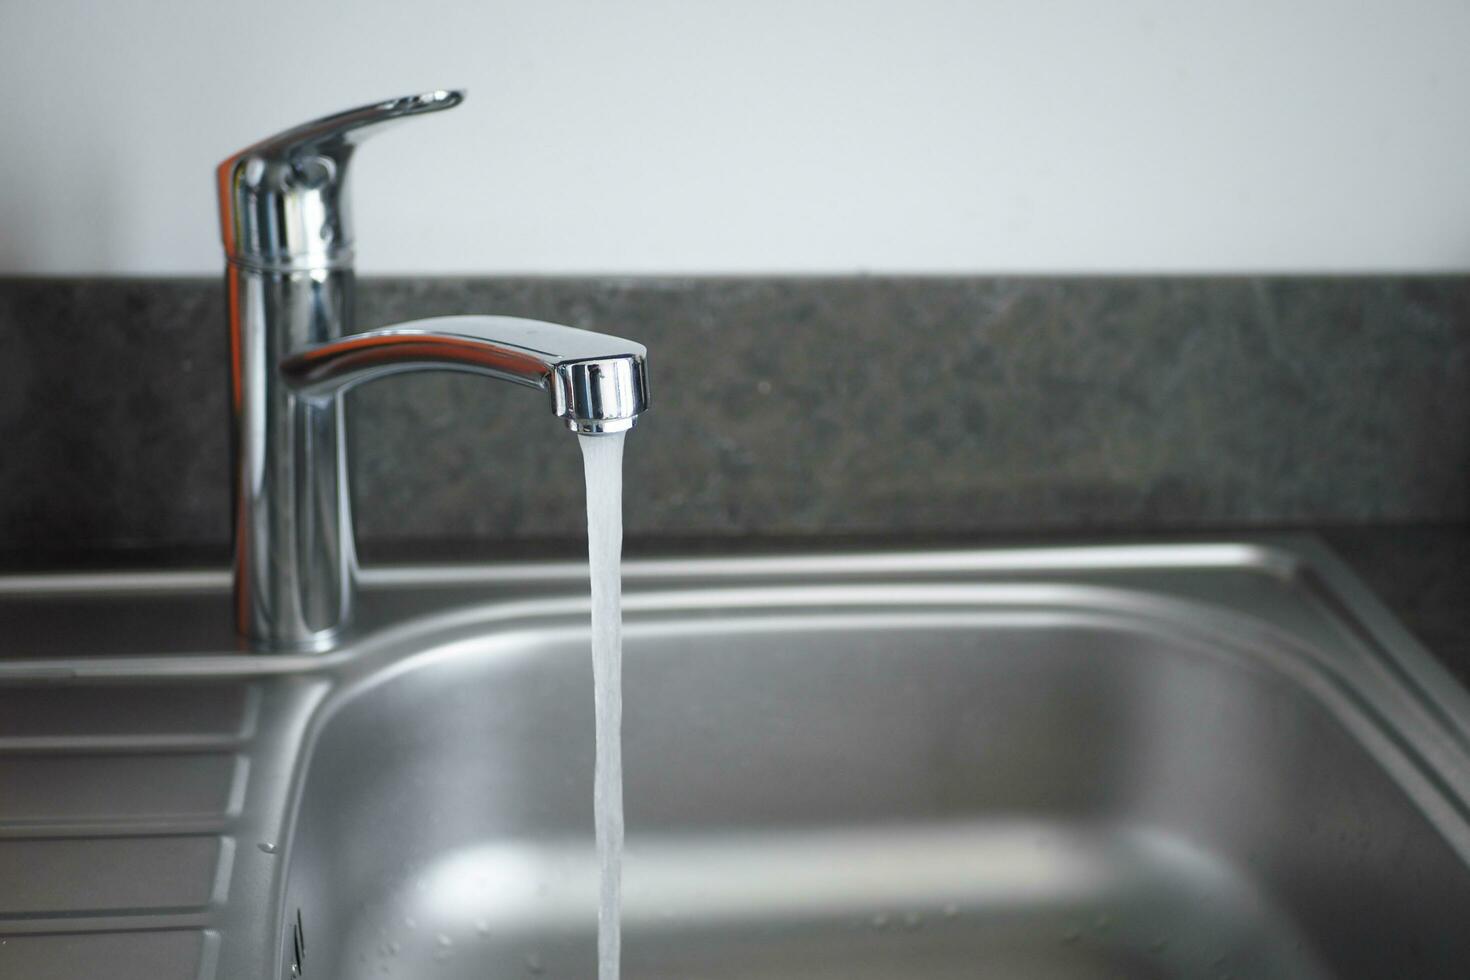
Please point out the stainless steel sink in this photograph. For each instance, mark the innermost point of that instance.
(1191, 761)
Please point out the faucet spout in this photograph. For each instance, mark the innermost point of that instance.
(598, 383)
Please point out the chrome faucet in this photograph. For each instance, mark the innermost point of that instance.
(294, 352)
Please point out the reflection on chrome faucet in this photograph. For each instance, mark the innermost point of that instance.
(294, 351)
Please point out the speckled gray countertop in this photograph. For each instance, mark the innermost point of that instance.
(803, 413)
(884, 406)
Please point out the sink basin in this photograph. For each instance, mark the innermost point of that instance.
(1041, 774)
(1221, 760)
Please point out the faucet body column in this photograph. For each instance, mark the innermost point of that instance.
(294, 559)
(287, 232)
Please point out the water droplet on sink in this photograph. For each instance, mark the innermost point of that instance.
(408, 922)
(482, 927)
(1071, 935)
(880, 920)
(913, 921)
(951, 910)
(533, 963)
(443, 940)
(267, 847)
(1157, 946)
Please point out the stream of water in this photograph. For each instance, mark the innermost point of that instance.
(602, 459)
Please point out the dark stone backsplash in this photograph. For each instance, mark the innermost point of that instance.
(786, 406)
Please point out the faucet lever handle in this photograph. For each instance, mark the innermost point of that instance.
(318, 135)
(283, 199)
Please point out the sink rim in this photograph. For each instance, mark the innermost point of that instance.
(1384, 653)
(1300, 564)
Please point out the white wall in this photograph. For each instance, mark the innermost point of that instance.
(637, 136)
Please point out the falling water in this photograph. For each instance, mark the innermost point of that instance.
(602, 458)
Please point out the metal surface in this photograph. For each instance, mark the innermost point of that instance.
(597, 382)
(1191, 761)
(287, 234)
